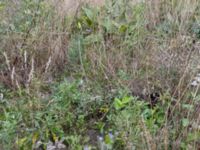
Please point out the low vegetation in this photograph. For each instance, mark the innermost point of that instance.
(121, 76)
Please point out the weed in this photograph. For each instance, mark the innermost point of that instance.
(121, 75)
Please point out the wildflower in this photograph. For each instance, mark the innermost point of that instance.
(111, 136)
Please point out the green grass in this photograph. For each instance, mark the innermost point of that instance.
(116, 77)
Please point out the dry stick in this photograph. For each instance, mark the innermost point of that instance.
(33, 22)
(31, 75)
(188, 114)
(48, 64)
(166, 138)
(7, 61)
(25, 59)
(151, 145)
(17, 84)
(12, 76)
(75, 15)
(180, 82)
(79, 45)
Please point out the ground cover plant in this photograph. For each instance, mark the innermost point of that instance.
(120, 76)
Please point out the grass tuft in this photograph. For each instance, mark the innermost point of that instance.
(99, 75)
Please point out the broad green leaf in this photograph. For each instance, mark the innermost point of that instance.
(185, 122)
(89, 13)
(108, 140)
(118, 104)
(126, 99)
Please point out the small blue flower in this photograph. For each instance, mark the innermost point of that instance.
(111, 136)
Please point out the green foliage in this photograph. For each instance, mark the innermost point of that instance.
(65, 110)
(127, 121)
(119, 104)
(113, 59)
(26, 16)
(76, 49)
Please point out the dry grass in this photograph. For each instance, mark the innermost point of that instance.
(159, 55)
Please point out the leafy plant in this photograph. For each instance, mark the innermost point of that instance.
(119, 104)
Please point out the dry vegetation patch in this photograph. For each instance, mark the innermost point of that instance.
(124, 66)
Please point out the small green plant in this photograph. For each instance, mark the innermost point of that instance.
(86, 81)
(119, 104)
